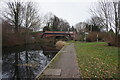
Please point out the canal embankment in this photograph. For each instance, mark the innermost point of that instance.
(64, 64)
(50, 64)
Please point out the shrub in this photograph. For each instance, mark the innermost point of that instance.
(92, 37)
(60, 44)
(113, 40)
(110, 38)
(12, 39)
(81, 38)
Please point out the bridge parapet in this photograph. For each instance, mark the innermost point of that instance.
(70, 34)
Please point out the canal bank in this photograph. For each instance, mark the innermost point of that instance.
(63, 66)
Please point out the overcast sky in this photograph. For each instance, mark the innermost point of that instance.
(73, 11)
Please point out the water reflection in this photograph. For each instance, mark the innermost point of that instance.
(25, 64)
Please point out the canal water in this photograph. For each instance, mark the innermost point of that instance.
(25, 62)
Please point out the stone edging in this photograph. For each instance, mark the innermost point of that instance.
(37, 77)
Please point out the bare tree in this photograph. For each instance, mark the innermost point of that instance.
(103, 10)
(115, 4)
(47, 19)
(108, 11)
(96, 23)
(54, 23)
(119, 15)
(80, 27)
(31, 17)
(63, 25)
(21, 14)
(96, 20)
(15, 14)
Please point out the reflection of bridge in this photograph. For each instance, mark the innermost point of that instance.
(68, 34)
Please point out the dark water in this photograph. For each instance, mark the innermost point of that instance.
(25, 62)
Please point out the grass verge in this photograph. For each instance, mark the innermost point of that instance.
(97, 60)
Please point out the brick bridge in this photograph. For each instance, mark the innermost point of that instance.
(68, 34)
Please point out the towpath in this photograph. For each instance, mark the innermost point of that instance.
(67, 63)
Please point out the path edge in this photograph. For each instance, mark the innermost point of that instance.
(38, 76)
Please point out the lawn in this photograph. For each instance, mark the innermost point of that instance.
(97, 60)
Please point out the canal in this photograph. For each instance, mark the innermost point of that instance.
(26, 61)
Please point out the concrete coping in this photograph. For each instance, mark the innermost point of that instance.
(52, 72)
(38, 76)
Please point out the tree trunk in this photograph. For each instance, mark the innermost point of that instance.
(119, 16)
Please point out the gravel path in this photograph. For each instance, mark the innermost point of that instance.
(67, 62)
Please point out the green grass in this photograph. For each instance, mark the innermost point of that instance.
(97, 60)
(70, 41)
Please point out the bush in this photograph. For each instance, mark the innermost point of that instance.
(110, 38)
(113, 40)
(92, 37)
(81, 38)
(60, 44)
(13, 39)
